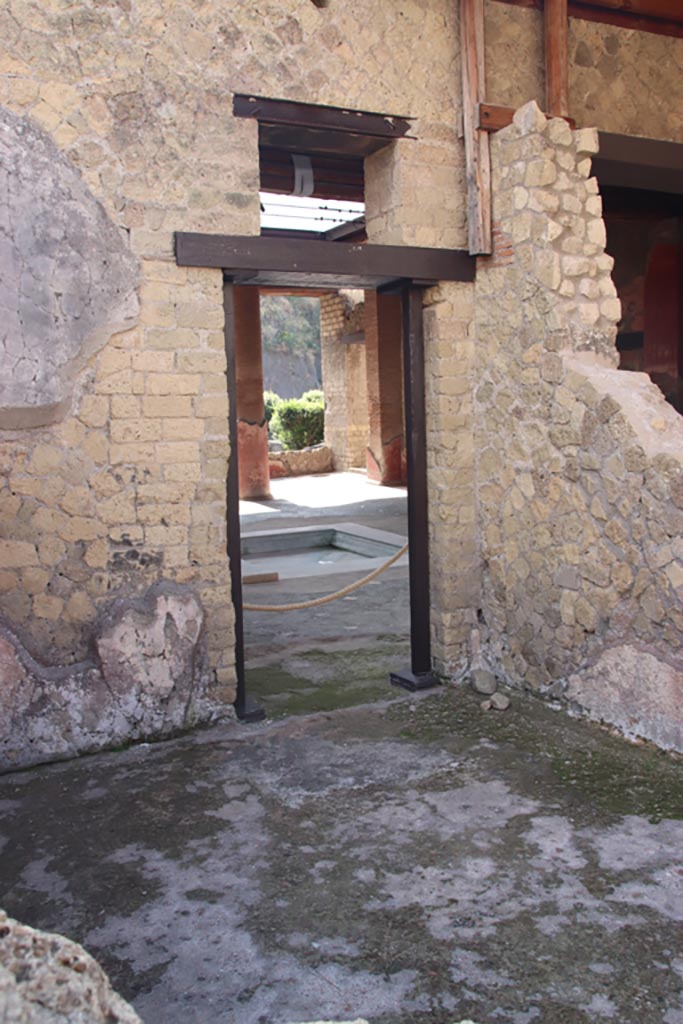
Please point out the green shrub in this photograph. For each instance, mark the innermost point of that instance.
(315, 396)
(300, 422)
(270, 403)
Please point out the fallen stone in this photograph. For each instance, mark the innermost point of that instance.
(500, 701)
(486, 705)
(48, 979)
(483, 681)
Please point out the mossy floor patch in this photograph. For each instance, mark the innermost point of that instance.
(605, 772)
(323, 680)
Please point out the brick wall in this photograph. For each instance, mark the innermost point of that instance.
(344, 379)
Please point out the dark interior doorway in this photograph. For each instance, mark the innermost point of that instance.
(641, 183)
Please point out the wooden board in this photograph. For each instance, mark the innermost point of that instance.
(252, 257)
(555, 36)
(477, 154)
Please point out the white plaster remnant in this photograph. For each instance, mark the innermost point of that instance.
(68, 277)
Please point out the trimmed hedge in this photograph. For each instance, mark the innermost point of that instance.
(299, 422)
(270, 403)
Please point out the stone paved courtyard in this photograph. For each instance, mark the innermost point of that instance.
(411, 861)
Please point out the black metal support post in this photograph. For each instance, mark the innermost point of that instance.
(246, 709)
(420, 675)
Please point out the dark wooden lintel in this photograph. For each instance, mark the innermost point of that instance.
(292, 114)
(243, 257)
(627, 161)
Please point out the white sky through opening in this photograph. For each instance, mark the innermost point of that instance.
(301, 213)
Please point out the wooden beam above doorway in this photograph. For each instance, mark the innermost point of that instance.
(294, 262)
(310, 128)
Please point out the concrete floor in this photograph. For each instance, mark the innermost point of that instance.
(414, 861)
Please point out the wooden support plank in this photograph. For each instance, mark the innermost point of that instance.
(556, 31)
(493, 117)
(627, 161)
(253, 253)
(312, 116)
(665, 9)
(477, 154)
(420, 675)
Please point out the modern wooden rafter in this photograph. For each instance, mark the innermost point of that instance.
(664, 17)
(555, 43)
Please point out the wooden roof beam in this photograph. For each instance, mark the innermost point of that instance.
(664, 17)
(556, 44)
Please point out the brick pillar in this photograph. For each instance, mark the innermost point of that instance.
(343, 376)
(252, 430)
(386, 446)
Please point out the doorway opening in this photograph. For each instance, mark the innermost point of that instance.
(645, 237)
(319, 152)
(333, 511)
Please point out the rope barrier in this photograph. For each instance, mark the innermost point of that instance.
(313, 602)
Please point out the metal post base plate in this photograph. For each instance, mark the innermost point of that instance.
(414, 680)
(250, 711)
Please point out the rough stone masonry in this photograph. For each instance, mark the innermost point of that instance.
(579, 465)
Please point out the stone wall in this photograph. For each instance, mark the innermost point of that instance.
(620, 80)
(344, 379)
(128, 487)
(579, 465)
